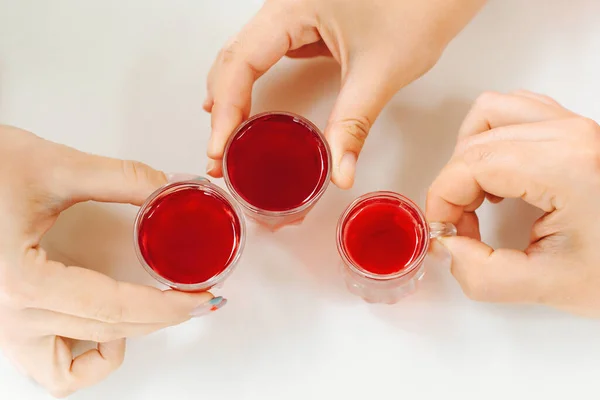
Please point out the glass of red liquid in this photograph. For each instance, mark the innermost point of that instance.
(383, 239)
(189, 235)
(277, 165)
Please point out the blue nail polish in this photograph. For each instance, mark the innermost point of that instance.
(212, 305)
(217, 302)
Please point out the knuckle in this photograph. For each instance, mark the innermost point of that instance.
(134, 171)
(229, 52)
(587, 152)
(487, 99)
(357, 128)
(589, 127)
(591, 159)
(232, 54)
(476, 154)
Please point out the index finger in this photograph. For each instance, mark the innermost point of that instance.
(89, 294)
(503, 168)
(266, 39)
(492, 110)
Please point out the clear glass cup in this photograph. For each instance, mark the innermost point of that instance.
(202, 184)
(389, 288)
(275, 219)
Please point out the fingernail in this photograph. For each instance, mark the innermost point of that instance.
(212, 305)
(177, 177)
(442, 240)
(348, 165)
(210, 166)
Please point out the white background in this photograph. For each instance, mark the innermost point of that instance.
(127, 79)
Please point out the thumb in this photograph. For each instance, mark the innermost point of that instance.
(90, 177)
(502, 275)
(362, 97)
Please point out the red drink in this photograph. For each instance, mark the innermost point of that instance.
(277, 164)
(189, 235)
(382, 236)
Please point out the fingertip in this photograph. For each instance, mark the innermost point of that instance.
(181, 299)
(214, 151)
(210, 306)
(466, 253)
(114, 351)
(179, 177)
(112, 180)
(224, 121)
(195, 295)
(214, 168)
(345, 170)
(157, 178)
(216, 145)
(208, 105)
(342, 182)
(440, 253)
(459, 244)
(451, 193)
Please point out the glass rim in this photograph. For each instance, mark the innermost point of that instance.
(412, 266)
(205, 184)
(270, 213)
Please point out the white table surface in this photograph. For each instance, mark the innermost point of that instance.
(127, 79)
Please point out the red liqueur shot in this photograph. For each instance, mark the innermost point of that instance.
(383, 239)
(277, 166)
(189, 235)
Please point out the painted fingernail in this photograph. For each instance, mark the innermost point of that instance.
(212, 305)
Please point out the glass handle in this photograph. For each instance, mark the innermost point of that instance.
(439, 229)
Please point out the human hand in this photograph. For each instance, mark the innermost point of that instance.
(525, 145)
(380, 45)
(43, 302)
